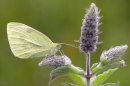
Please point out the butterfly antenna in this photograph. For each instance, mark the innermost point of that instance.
(62, 53)
(69, 45)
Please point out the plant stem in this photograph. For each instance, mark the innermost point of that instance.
(88, 71)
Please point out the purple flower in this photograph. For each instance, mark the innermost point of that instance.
(89, 30)
(55, 61)
(114, 53)
(113, 56)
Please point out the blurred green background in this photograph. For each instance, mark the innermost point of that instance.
(61, 21)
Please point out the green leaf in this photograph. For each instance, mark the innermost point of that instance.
(102, 67)
(97, 68)
(94, 65)
(102, 77)
(111, 84)
(65, 70)
(79, 80)
(68, 84)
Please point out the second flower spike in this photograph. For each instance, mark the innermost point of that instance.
(55, 61)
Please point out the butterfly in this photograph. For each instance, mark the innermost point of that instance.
(26, 42)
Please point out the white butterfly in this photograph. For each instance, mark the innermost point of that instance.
(26, 42)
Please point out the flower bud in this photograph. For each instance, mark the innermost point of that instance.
(55, 61)
(114, 53)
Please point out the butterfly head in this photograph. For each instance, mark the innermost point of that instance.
(57, 46)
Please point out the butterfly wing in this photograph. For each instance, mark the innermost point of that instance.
(26, 42)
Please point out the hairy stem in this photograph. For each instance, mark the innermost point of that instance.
(88, 71)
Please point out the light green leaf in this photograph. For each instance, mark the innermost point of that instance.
(111, 84)
(94, 65)
(102, 77)
(95, 70)
(102, 67)
(65, 70)
(79, 80)
(68, 84)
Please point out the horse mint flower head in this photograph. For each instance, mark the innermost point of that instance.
(113, 55)
(89, 30)
(55, 61)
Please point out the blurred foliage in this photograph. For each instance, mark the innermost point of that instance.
(61, 20)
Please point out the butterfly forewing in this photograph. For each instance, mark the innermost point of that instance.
(26, 42)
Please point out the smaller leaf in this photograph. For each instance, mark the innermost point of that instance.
(98, 68)
(51, 79)
(94, 65)
(68, 84)
(102, 77)
(65, 70)
(79, 80)
(111, 84)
